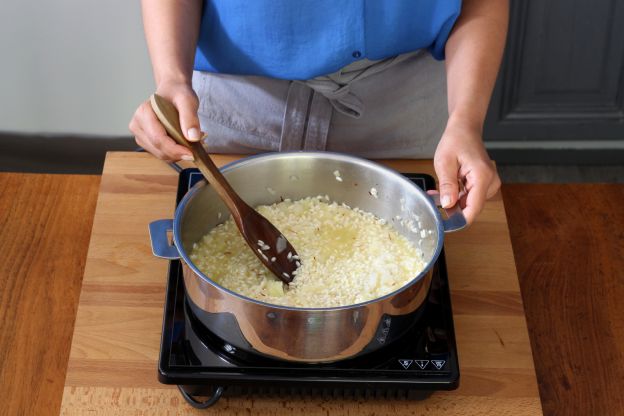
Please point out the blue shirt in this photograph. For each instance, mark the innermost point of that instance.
(302, 39)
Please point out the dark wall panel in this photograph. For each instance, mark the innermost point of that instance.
(562, 76)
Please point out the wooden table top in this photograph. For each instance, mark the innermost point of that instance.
(45, 224)
(569, 267)
(113, 361)
(568, 241)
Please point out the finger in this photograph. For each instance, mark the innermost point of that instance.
(163, 147)
(475, 199)
(142, 140)
(158, 138)
(494, 186)
(149, 122)
(172, 150)
(187, 105)
(447, 168)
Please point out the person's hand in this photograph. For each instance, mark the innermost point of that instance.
(152, 136)
(461, 160)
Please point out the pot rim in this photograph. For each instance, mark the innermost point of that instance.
(177, 224)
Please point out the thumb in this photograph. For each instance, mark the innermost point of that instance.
(187, 105)
(447, 169)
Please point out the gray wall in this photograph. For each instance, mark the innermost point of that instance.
(71, 66)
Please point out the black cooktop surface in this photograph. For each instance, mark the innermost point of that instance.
(420, 362)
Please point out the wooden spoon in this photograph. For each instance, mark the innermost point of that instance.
(266, 241)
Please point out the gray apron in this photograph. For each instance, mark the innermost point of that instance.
(394, 108)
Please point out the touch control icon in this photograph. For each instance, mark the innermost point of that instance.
(422, 363)
(438, 363)
(405, 363)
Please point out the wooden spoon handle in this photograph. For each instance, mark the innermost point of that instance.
(170, 119)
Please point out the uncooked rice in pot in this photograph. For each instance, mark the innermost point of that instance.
(346, 256)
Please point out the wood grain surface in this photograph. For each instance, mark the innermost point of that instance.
(45, 224)
(112, 365)
(571, 295)
(569, 247)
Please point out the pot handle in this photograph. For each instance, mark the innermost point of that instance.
(455, 220)
(160, 241)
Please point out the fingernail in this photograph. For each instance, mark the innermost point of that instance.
(188, 157)
(193, 134)
(445, 201)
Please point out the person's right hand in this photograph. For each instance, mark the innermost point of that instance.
(152, 136)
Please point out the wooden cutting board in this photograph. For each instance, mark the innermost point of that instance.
(112, 368)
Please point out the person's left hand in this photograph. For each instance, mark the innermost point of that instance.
(461, 160)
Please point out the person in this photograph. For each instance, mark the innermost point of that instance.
(379, 79)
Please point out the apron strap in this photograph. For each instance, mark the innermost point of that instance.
(339, 95)
(307, 116)
(318, 123)
(336, 87)
(295, 115)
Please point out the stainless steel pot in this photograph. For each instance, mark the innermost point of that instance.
(307, 334)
